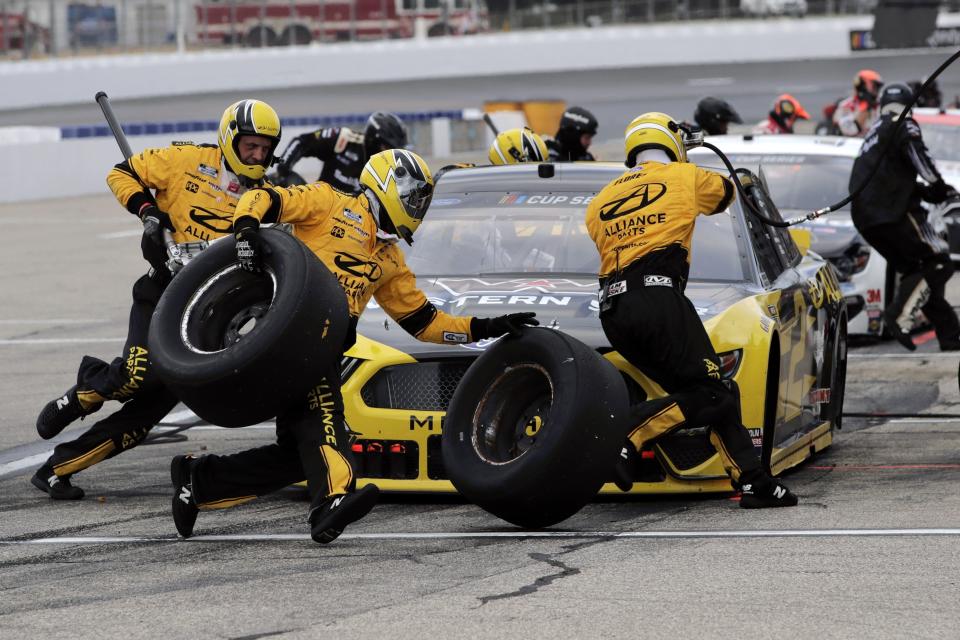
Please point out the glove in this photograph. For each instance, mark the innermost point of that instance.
(935, 193)
(153, 245)
(249, 244)
(512, 323)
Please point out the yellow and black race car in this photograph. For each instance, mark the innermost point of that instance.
(513, 238)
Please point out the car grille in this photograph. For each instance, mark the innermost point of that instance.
(420, 386)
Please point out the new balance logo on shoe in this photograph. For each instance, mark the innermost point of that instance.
(779, 493)
(747, 488)
(53, 480)
(624, 454)
(336, 502)
(62, 402)
(185, 495)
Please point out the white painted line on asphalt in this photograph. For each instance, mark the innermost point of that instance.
(30, 461)
(54, 321)
(922, 420)
(709, 82)
(898, 356)
(32, 341)
(466, 535)
(120, 234)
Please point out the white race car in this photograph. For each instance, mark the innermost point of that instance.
(806, 173)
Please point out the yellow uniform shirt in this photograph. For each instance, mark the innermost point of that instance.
(340, 229)
(648, 214)
(192, 187)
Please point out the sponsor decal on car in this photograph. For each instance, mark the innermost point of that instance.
(756, 436)
(545, 198)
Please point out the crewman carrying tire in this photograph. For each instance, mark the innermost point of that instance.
(642, 223)
(357, 238)
(196, 189)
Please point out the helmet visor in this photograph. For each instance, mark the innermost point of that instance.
(415, 194)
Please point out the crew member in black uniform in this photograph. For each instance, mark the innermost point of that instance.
(189, 190)
(715, 115)
(343, 231)
(574, 136)
(889, 215)
(642, 224)
(344, 152)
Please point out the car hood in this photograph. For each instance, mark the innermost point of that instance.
(567, 303)
(831, 235)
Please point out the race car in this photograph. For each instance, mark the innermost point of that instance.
(513, 238)
(806, 173)
(941, 133)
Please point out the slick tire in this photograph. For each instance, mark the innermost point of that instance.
(238, 348)
(833, 411)
(535, 427)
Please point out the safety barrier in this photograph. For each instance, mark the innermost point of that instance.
(34, 83)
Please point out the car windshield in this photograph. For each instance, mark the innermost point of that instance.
(465, 237)
(801, 182)
(942, 140)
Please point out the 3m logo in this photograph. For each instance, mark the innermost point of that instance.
(779, 493)
(642, 196)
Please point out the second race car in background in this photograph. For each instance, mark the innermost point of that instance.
(513, 238)
(806, 173)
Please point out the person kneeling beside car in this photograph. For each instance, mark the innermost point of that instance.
(357, 238)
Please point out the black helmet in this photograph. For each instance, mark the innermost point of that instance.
(578, 119)
(895, 94)
(384, 131)
(575, 122)
(713, 115)
(931, 97)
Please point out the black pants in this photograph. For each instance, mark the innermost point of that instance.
(658, 331)
(905, 248)
(129, 379)
(312, 444)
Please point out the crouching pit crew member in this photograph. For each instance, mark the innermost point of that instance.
(642, 224)
(189, 190)
(356, 237)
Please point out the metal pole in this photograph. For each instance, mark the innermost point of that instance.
(353, 20)
(263, 31)
(6, 29)
(233, 23)
(52, 30)
(180, 19)
(511, 15)
(651, 16)
(26, 40)
(293, 18)
(383, 20)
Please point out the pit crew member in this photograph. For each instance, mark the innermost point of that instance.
(854, 114)
(889, 215)
(344, 152)
(518, 145)
(642, 224)
(715, 115)
(189, 190)
(574, 136)
(782, 117)
(357, 238)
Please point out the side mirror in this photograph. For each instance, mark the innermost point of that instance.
(802, 238)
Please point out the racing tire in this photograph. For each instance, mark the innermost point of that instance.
(238, 348)
(535, 428)
(838, 377)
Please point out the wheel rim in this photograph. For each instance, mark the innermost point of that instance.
(513, 414)
(226, 309)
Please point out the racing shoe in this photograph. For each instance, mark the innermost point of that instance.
(60, 412)
(766, 495)
(892, 329)
(623, 471)
(328, 519)
(184, 505)
(53, 485)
